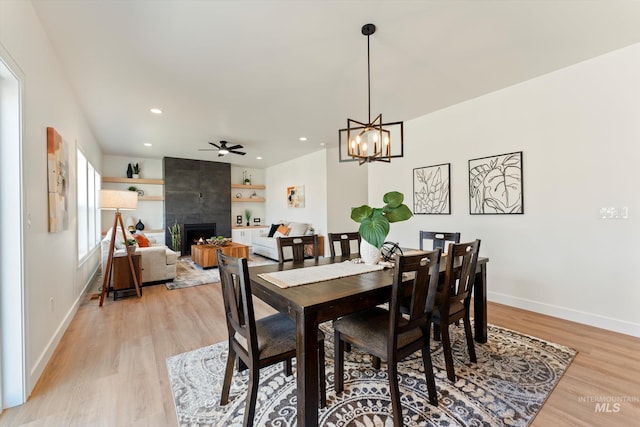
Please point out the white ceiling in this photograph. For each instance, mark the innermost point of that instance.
(264, 73)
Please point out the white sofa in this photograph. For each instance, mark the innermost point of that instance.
(268, 246)
(158, 261)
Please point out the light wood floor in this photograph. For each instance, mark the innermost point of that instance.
(109, 369)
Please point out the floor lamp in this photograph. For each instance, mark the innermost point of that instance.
(118, 201)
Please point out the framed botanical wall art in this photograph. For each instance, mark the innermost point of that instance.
(295, 196)
(57, 181)
(495, 185)
(432, 190)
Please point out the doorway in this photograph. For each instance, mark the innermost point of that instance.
(12, 333)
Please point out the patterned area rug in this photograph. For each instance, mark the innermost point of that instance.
(514, 376)
(190, 274)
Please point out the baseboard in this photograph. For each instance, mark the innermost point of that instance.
(45, 356)
(608, 323)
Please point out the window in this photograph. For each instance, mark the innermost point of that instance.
(88, 213)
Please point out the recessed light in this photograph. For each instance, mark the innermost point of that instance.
(259, 158)
(148, 144)
(156, 111)
(322, 144)
(303, 138)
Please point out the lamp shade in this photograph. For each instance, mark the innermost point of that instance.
(122, 200)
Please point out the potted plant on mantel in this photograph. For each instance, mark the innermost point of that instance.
(375, 224)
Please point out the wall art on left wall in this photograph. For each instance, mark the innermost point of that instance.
(432, 190)
(58, 181)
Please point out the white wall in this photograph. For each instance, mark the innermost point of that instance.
(346, 188)
(310, 171)
(51, 268)
(578, 129)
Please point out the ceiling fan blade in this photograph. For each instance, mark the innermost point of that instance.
(215, 145)
(237, 152)
(220, 155)
(206, 149)
(235, 147)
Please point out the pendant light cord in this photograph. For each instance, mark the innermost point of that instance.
(369, 77)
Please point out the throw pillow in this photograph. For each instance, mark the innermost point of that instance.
(274, 228)
(283, 230)
(142, 240)
(297, 228)
(119, 244)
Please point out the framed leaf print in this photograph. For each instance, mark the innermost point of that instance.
(495, 185)
(431, 190)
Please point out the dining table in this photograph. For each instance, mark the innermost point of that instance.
(315, 303)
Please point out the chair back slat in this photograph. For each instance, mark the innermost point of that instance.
(297, 245)
(238, 303)
(457, 286)
(345, 240)
(439, 239)
(417, 274)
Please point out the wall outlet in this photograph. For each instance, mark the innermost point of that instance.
(614, 212)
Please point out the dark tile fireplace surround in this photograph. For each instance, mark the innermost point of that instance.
(197, 194)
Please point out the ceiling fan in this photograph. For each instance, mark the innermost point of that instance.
(223, 149)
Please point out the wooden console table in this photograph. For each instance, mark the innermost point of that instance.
(205, 255)
(121, 278)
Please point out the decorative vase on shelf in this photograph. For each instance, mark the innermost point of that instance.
(140, 225)
(136, 175)
(369, 253)
(129, 171)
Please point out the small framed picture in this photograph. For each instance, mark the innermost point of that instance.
(238, 219)
(256, 220)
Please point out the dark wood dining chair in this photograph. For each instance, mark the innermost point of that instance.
(439, 239)
(257, 343)
(390, 336)
(345, 240)
(301, 247)
(454, 298)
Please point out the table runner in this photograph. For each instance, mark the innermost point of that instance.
(318, 273)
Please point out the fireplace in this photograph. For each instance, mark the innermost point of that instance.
(192, 233)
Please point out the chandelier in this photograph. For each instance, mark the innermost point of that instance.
(371, 141)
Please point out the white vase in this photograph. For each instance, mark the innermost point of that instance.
(369, 253)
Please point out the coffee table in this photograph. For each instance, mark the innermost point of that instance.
(205, 255)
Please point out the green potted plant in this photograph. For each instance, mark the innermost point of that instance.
(174, 231)
(136, 170)
(131, 245)
(247, 215)
(375, 223)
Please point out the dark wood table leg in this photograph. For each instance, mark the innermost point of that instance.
(480, 305)
(307, 369)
